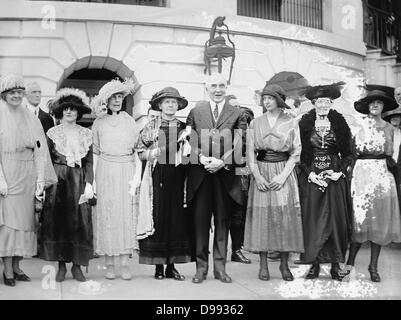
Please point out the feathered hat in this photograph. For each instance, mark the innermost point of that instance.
(332, 91)
(11, 81)
(99, 103)
(70, 97)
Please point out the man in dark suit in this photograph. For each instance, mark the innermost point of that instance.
(238, 215)
(212, 186)
(33, 94)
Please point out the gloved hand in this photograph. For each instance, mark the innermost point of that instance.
(88, 193)
(40, 188)
(3, 188)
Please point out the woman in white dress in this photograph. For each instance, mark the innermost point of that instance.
(25, 171)
(115, 134)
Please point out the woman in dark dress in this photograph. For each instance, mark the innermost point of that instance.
(66, 229)
(170, 243)
(324, 189)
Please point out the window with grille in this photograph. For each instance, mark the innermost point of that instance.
(307, 13)
(153, 3)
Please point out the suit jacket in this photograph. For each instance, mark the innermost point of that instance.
(222, 140)
(46, 120)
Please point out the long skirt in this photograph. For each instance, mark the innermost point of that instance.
(376, 207)
(17, 217)
(114, 222)
(326, 217)
(273, 221)
(66, 226)
(171, 241)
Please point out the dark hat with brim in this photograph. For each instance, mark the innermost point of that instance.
(70, 98)
(387, 115)
(362, 105)
(332, 91)
(277, 92)
(168, 92)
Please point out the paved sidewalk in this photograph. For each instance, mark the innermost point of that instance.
(246, 285)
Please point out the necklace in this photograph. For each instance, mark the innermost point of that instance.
(322, 127)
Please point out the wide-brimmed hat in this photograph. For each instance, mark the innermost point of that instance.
(332, 91)
(99, 102)
(115, 86)
(11, 81)
(70, 97)
(168, 92)
(387, 115)
(362, 105)
(277, 92)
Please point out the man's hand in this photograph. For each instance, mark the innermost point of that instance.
(214, 165)
(277, 182)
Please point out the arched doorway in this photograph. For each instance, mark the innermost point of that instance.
(90, 74)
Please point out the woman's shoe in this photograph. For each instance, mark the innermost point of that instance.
(286, 274)
(313, 271)
(346, 274)
(9, 282)
(264, 274)
(172, 273)
(62, 270)
(159, 273)
(77, 273)
(110, 273)
(374, 275)
(21, 277)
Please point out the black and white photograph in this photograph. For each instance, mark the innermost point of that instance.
(186, 151)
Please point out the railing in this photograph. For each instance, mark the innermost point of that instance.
(153, 3)
(382, 30)
(307, 13)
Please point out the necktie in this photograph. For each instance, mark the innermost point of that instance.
(216, 112)
(36, 112)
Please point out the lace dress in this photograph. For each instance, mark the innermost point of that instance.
(376, 207)
(114, 139)
(66, 226)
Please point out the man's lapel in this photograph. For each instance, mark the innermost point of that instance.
(225, 114)
(207, 115)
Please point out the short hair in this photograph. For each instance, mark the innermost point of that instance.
(215, 78)
(31, 84)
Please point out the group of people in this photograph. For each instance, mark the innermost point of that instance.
(313, 185)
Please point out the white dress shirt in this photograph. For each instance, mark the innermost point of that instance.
(220, 106)
(33, 109)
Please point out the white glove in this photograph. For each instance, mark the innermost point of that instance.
(313, 177)
(88, 193)
(335, 176)
(40, 187)
(3, 188)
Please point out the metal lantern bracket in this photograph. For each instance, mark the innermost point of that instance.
(217, 49)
